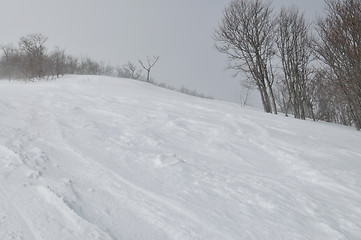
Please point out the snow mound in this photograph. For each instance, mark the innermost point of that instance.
(88, 157)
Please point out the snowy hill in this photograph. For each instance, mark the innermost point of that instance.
(103, 158)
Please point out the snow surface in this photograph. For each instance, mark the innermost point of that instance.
(103, 158)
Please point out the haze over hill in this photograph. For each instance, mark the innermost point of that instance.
(116, 31)
(90, 157)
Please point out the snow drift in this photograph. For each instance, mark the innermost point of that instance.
(103, 158)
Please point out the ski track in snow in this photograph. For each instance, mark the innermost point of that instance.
(101, 158)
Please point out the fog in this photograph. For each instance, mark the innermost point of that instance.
(117, 31)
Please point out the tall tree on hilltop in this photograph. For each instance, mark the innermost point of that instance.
(294, 47)
(246, 35)
(339, 48)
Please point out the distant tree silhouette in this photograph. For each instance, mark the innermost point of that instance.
(149, 65)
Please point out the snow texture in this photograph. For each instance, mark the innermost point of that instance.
(89, 157)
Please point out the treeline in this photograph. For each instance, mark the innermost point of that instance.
(32, 60)
(310, 71)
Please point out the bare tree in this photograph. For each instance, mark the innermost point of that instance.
(339, 49)
(9, 60)
(89, 66)
(128, 70)
(149, 65)
(329, 104)
(34, 49)
(246, 36)
(57, 59)
(294, 47)
(106, 69)
(245, 92)
(282, 98)
(71, 64)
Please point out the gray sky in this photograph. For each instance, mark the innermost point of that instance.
(115, 31)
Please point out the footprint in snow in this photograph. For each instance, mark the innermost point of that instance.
(34, 175)
(167, 160)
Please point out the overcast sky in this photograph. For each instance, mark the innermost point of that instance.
(115, 31)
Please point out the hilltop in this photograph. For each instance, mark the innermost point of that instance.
(91, 157)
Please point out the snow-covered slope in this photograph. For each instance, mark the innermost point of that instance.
(103, 158)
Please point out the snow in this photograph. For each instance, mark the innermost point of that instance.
(87, 157)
